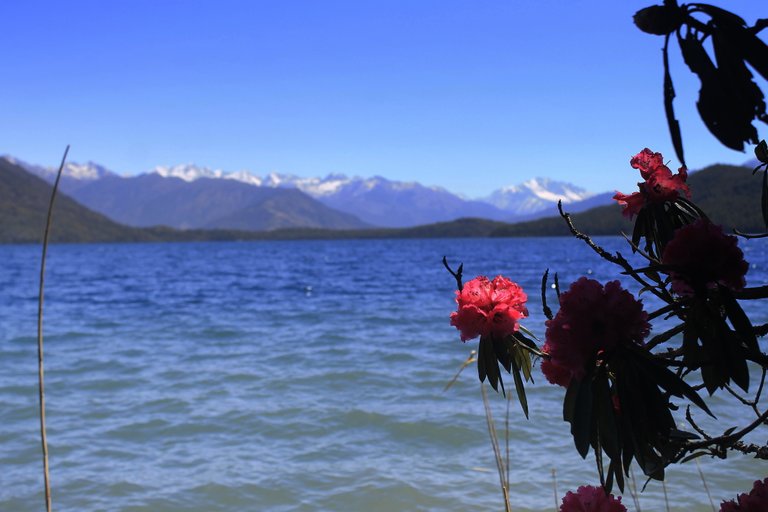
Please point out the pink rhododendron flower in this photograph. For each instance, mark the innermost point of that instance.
(588, 498)
(701, 256)
(755, 501)
(592, 318)
(647, 162)
(489, 308)
(660, 184)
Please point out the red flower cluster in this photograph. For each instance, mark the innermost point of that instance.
(592, 318)
(489, 308)
(701, 256)
(755, 501)
(660, 184)
(588, 498)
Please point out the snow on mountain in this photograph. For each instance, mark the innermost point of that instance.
(535, 195)
(82, 172)
(375, 200)
(187, 172)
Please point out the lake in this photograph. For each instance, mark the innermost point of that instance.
(291, 376)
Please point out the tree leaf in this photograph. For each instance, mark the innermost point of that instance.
(669, 109)
(764, 197)
(740, 321)
(614, 469)
(582, 417)
(606, 421)
(666, 379)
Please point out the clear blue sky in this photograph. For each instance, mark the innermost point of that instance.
(471, 95)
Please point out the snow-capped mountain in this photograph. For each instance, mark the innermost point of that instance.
(376, 200)
(535, 195)
(395, 203)
(82, 172)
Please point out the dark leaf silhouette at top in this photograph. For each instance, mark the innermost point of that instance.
(729, 99)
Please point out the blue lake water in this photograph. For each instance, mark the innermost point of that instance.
(289, 376)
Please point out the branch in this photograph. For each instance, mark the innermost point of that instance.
(724, 441)
(616, 259)
(456, 275)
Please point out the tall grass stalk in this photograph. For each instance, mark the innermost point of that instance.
(496, 449)
(554, 488)
(706, 487)
(40, 366)
(633, 490)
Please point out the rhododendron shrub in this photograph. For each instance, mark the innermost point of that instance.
(593, 320)
(623, 385)
(617, 397)
(706, 267)
(492, 310)
(588, 498)
(755, 501)
(700, 257)
(662, 203)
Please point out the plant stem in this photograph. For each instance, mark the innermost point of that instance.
(554, 487)
(496, 450)
(40, 371)
(706, 487)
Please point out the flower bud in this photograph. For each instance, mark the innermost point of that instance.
(761, 152)
(658, 19)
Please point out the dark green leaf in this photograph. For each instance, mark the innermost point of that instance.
(669, 109)
(486, 363)
(569, 403)
(606, 422)
(520, 388)
(522, 358)
(667, 379)
(502, 348)
(582, 417)
(614, 469)
(638, 231)
(764, 197)
(737, 364)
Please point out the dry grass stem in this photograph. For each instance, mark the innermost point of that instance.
(40, 366)
(496, 449)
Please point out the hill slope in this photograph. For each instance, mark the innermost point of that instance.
(728, 194)
(24, 202)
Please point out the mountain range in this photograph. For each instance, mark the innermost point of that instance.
(194, 197)
(729, 194)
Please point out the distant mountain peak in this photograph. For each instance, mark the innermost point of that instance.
(536, 194)
(88, 171)
(187, 172)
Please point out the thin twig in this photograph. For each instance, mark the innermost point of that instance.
(664, 336)
(616, 259)
(40, 371)
(456, 275)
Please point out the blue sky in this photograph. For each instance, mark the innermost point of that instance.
(470, 95)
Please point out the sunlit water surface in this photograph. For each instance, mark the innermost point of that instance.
(289, 376)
